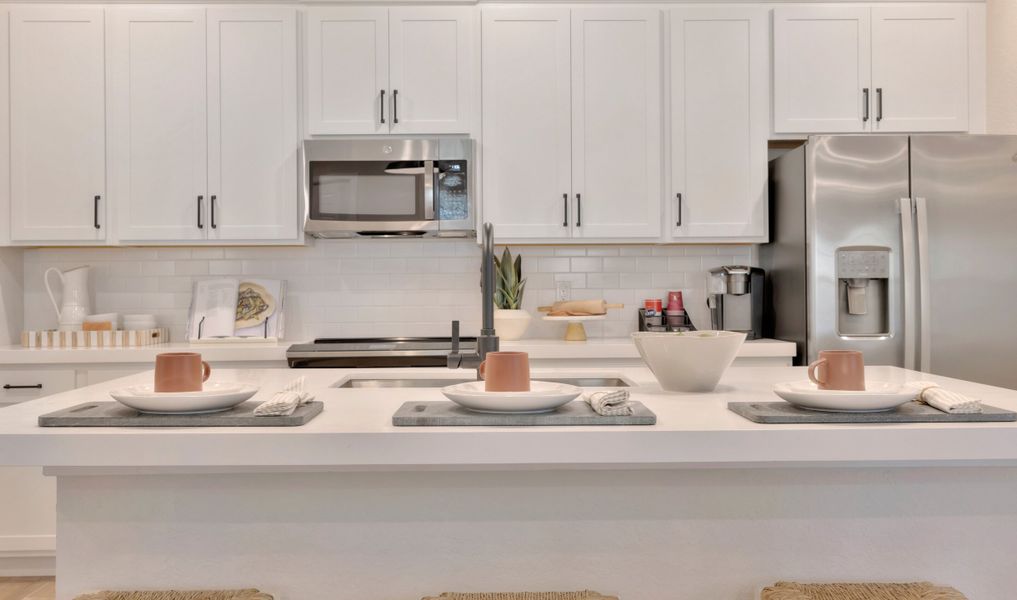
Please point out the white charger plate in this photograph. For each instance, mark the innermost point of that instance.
(215, 397)
(544, 396)
(878, 396)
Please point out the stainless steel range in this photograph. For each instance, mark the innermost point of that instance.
(376, 352)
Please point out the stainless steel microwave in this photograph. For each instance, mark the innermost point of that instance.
(388, 188)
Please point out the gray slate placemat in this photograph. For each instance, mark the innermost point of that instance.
(911, 412)
(450, 414)
(114, 414)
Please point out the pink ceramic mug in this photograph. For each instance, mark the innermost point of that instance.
(838, 370)
(506, 372)
(180, 372)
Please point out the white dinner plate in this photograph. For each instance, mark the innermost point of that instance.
(878, 396)
(544, 396)
(215, 397)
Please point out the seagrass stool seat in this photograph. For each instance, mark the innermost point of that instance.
(587, 595)
(787, 590)
(249, 594)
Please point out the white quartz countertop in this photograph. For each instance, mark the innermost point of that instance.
(355, 431)
(233, 352)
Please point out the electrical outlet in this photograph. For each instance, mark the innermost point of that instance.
(564, 291)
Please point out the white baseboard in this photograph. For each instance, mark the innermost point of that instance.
(39, 566)
(27, 555)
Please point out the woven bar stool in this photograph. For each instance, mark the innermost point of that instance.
(587, 595)
(249, 594)
(785, 590)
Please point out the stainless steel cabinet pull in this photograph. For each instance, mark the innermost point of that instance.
(879, 104)
(382, 106)
(579, 210)
(565, 204)
(200, 224)
(212, 200)
(97, 198)
(865, 104)
(8, 386)
(395, 106)
(679, 223)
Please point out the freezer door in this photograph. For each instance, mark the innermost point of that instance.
(965, 191)
(854, 188)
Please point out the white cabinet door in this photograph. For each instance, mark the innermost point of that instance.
(430, 69)
(527, 139)
(347, 70)
(616, 122)
(719, 122)
(821, 69)
(920, 68)
(252, 123)
(157, 122)
(58, 125)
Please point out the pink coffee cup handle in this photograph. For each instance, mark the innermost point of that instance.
(482, 370)
(206, 371)
(813, 367)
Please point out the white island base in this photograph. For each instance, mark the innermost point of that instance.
(703, 506)
(641, 534)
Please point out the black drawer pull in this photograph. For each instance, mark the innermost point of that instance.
(8, 386)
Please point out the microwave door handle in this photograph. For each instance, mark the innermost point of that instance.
(429, 175)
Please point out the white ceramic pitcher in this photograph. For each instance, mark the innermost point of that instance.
(75, 301)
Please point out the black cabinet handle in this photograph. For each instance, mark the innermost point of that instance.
(879, 104)
(395, 106)
(865, 104)
(565, 205)
(679, 223)
(96, 218)
(381, 104)
(8, 386)
(579, 210)
(212, 200)
(200, 224)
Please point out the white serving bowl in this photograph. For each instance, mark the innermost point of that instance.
(688, 362)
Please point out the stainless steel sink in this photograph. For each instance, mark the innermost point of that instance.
(409, 382)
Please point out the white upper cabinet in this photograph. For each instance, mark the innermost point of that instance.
(527, 155)
(58, 125)
(398, 70)
(252, 124)
(821, 69)
(719, 123)
(347, 70)
(157, 122)
(920, 68)
(842, 69)
(616, 122)
(429, 62)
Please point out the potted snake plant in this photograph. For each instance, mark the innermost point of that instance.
(510, 320)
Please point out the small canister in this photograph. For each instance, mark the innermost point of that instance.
(654, 307)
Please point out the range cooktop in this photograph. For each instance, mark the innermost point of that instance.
(375, 352)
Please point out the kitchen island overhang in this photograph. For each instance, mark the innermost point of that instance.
(355, 432)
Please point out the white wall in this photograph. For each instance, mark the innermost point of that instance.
(11, 294)
(1002, 66)
(382, 287)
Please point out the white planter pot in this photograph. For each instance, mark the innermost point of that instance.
(511, 324)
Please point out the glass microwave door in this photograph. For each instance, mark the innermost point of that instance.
(367, 190)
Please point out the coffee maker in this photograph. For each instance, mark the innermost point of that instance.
(735, 297)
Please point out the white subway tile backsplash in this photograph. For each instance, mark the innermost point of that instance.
(342, 288)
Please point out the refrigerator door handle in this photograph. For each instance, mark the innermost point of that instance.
(925, 310)
(907, 233)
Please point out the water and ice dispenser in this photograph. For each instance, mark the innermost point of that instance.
(863, 302)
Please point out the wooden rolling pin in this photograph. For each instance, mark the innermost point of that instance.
(578, 308)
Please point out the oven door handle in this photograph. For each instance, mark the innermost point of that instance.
(429, 175)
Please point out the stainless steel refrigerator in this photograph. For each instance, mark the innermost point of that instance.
(904, 247)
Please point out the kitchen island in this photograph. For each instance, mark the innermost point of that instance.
(704, 505)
